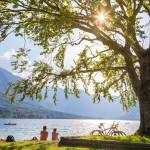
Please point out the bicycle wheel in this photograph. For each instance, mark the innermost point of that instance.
(121, 133)
(97, 132)
(117, 133)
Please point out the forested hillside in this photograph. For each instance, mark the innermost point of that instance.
(28, 108)
(65, 108)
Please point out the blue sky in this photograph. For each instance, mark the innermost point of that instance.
(12, 43)
(8, 48)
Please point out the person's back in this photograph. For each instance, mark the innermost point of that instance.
(44, 134)
(54, 135)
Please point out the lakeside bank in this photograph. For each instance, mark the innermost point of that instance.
(82, 143)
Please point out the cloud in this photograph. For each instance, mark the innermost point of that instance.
(5, 62)
(6, 59)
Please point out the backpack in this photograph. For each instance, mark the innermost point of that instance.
(10, 138)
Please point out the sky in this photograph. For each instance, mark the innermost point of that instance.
(9, 46)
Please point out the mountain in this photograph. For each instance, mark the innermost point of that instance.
(6, 77)
(27, 108)
(132, 115)
(82, 106)
(85, 106)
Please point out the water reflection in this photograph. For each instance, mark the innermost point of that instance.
(27, 128)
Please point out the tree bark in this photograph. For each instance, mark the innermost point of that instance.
(144, 128)
(144, 96)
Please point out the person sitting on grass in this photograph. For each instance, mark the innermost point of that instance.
(55, 135)
(44, 134)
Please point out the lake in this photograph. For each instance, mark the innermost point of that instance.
(27, 128)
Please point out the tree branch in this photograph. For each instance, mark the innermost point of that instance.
(52, 6)
(65, 74)
(132, 73)
(115, 81)
(138, 8)
(121, 3)
(82, 39)
(147, 9)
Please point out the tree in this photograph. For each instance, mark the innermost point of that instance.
(124, 61)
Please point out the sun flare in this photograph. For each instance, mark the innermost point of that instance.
(101, 17)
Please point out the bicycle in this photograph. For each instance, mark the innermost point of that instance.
(111, 131)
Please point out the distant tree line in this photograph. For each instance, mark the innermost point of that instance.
(40, 114)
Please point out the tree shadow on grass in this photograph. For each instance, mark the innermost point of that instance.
(45, 145)
(37, 145)
(91, 147)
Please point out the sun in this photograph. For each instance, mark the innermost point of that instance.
(101, 17)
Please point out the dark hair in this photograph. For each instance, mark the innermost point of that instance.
(44, 127)
(54, 129)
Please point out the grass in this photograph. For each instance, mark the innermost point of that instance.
(132, 138)
(50, 145)
(40, 145)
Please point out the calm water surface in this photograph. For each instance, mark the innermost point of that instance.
(27, 128)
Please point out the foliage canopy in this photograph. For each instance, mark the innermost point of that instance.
(57, 25)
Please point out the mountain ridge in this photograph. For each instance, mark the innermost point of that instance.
(80, 107)
(27, 108)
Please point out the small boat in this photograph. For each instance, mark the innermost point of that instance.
(9, 123)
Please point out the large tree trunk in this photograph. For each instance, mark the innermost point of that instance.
(144, 96)
(144, 128)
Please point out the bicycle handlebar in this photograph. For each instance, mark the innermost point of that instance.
(114, 125)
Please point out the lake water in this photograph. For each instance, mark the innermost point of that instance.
(27, 128)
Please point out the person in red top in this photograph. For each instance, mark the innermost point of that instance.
(55, 135)
(44, 134)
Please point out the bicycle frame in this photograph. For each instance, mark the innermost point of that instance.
(108, 131)
(111, 131)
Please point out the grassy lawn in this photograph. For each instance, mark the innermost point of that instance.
(39, 145)
(119, 138)
(50, 145)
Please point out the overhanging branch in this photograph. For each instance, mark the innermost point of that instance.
(82, 39)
